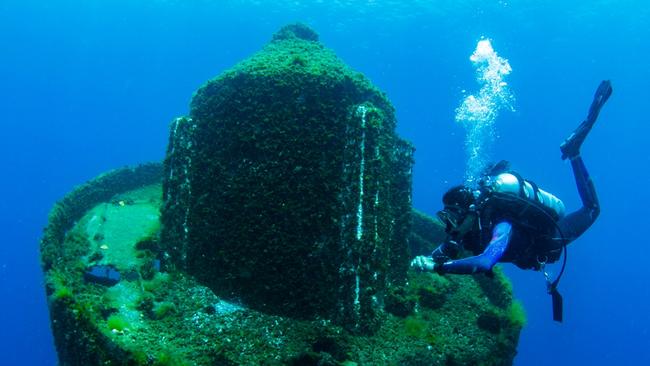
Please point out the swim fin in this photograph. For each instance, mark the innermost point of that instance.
(571, 146)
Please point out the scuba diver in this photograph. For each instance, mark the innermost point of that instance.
(510, 219)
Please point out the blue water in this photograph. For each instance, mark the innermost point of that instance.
(87, 86)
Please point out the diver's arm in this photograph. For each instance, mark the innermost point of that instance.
(484, 261)
(445, 251)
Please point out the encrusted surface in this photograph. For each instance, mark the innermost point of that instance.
(287, 188)
(168, 318)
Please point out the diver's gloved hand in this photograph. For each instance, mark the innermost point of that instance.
(423, 263)
(445, 251)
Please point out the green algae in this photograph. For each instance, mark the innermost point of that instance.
(156, 284)
(117, 323)
(517, 314)
(418, 328)
(163, 309)
(62, 293)
(116, 227)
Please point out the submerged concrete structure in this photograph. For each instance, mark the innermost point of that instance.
(287, 189)
(278, 231)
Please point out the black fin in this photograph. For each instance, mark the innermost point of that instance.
(557, 305)
(498, 168)
(603, 93)
(571, 146)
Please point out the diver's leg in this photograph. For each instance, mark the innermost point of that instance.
(585, 186)
(485, 261)
(576, 223)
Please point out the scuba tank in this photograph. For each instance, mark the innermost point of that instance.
(510, 183)
(505, 195)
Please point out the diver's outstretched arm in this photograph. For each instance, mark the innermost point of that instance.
(485, 261)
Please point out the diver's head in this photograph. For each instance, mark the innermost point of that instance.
(459, 197)
(457, 215)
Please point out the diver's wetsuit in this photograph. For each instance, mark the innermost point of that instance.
(576, 223)
(571, 227)
(568, 228)
(485, 261)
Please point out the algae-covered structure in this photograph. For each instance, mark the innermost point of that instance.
(278, 231)
(288, 188)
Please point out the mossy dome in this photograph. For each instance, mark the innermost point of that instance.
(288, 188)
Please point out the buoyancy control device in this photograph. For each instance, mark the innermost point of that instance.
(529, 205)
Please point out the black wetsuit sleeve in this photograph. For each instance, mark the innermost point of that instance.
(445, 251)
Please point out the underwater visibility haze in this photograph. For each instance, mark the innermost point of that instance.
(394, 99)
